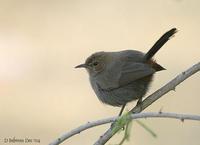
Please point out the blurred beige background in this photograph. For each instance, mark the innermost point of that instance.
(42, 95)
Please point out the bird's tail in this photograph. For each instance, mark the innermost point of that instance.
(163, 39)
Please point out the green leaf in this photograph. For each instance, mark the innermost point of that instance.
(147, 128)
(121, 122)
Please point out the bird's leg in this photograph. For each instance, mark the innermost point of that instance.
(139, 103)
(120, 113)
(122, 109)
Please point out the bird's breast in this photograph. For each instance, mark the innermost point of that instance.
(108, 79)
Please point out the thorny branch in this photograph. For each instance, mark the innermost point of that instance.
(136, 110)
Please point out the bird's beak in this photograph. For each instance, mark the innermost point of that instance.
(81, 66)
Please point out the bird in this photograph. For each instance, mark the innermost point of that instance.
(120, 77)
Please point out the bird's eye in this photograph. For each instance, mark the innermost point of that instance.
(95, 63)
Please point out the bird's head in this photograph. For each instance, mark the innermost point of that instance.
(95, 63)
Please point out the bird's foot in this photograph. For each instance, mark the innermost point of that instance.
(121, 122)
(113, 125)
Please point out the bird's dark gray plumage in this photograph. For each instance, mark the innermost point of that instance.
(120, 77)
(121, 82)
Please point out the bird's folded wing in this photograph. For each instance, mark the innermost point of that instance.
(132, 71)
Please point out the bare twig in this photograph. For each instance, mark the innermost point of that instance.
(148, 101)
(133, 117)
(152, 98)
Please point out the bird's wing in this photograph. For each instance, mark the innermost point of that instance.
(132, 71)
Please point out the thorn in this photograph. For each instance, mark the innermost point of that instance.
(182, 119)
(174, 89)
(160, 111)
